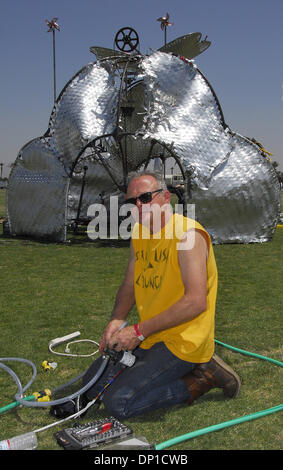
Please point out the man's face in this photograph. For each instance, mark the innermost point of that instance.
(144, 212)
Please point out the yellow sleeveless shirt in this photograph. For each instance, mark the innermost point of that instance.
(158, 285)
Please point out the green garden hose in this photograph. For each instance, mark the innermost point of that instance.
(14, 404)
(217, 427)
(247, 353)
(232, 422)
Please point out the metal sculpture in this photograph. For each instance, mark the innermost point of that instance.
(122, 112)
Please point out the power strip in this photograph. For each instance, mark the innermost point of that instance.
(62, 339)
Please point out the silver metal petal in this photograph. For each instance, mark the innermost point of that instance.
(86, 109)
(37, 191)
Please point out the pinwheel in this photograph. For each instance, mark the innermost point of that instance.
(52, 25)
(164, 20)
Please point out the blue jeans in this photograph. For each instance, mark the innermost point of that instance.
(153, 382)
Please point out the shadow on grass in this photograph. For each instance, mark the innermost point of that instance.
(73, 241)
(107, 243)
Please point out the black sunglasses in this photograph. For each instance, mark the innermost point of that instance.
(144, 198)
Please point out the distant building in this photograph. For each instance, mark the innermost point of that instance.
(3, 183)
(174, 180)
(173, 176)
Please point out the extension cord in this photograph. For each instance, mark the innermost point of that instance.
(63, 339)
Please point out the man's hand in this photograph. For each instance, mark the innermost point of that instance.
(124, 339)
(110, 330)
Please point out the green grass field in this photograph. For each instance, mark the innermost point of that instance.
(50, 290)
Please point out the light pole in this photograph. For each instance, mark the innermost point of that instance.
(164, 20)
(52, 26)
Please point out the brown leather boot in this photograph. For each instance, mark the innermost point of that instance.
(213, 374)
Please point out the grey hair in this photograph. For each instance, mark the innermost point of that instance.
(155, 174)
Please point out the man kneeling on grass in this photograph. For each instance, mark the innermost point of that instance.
(172, 279)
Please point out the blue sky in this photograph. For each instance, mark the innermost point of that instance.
(243, 64)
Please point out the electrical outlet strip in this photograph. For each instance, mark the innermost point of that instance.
(56, 341)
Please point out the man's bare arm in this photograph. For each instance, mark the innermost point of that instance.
(125, 300)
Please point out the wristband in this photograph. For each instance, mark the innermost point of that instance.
(138, 333)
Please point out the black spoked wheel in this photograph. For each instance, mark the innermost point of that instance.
(127, 39)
